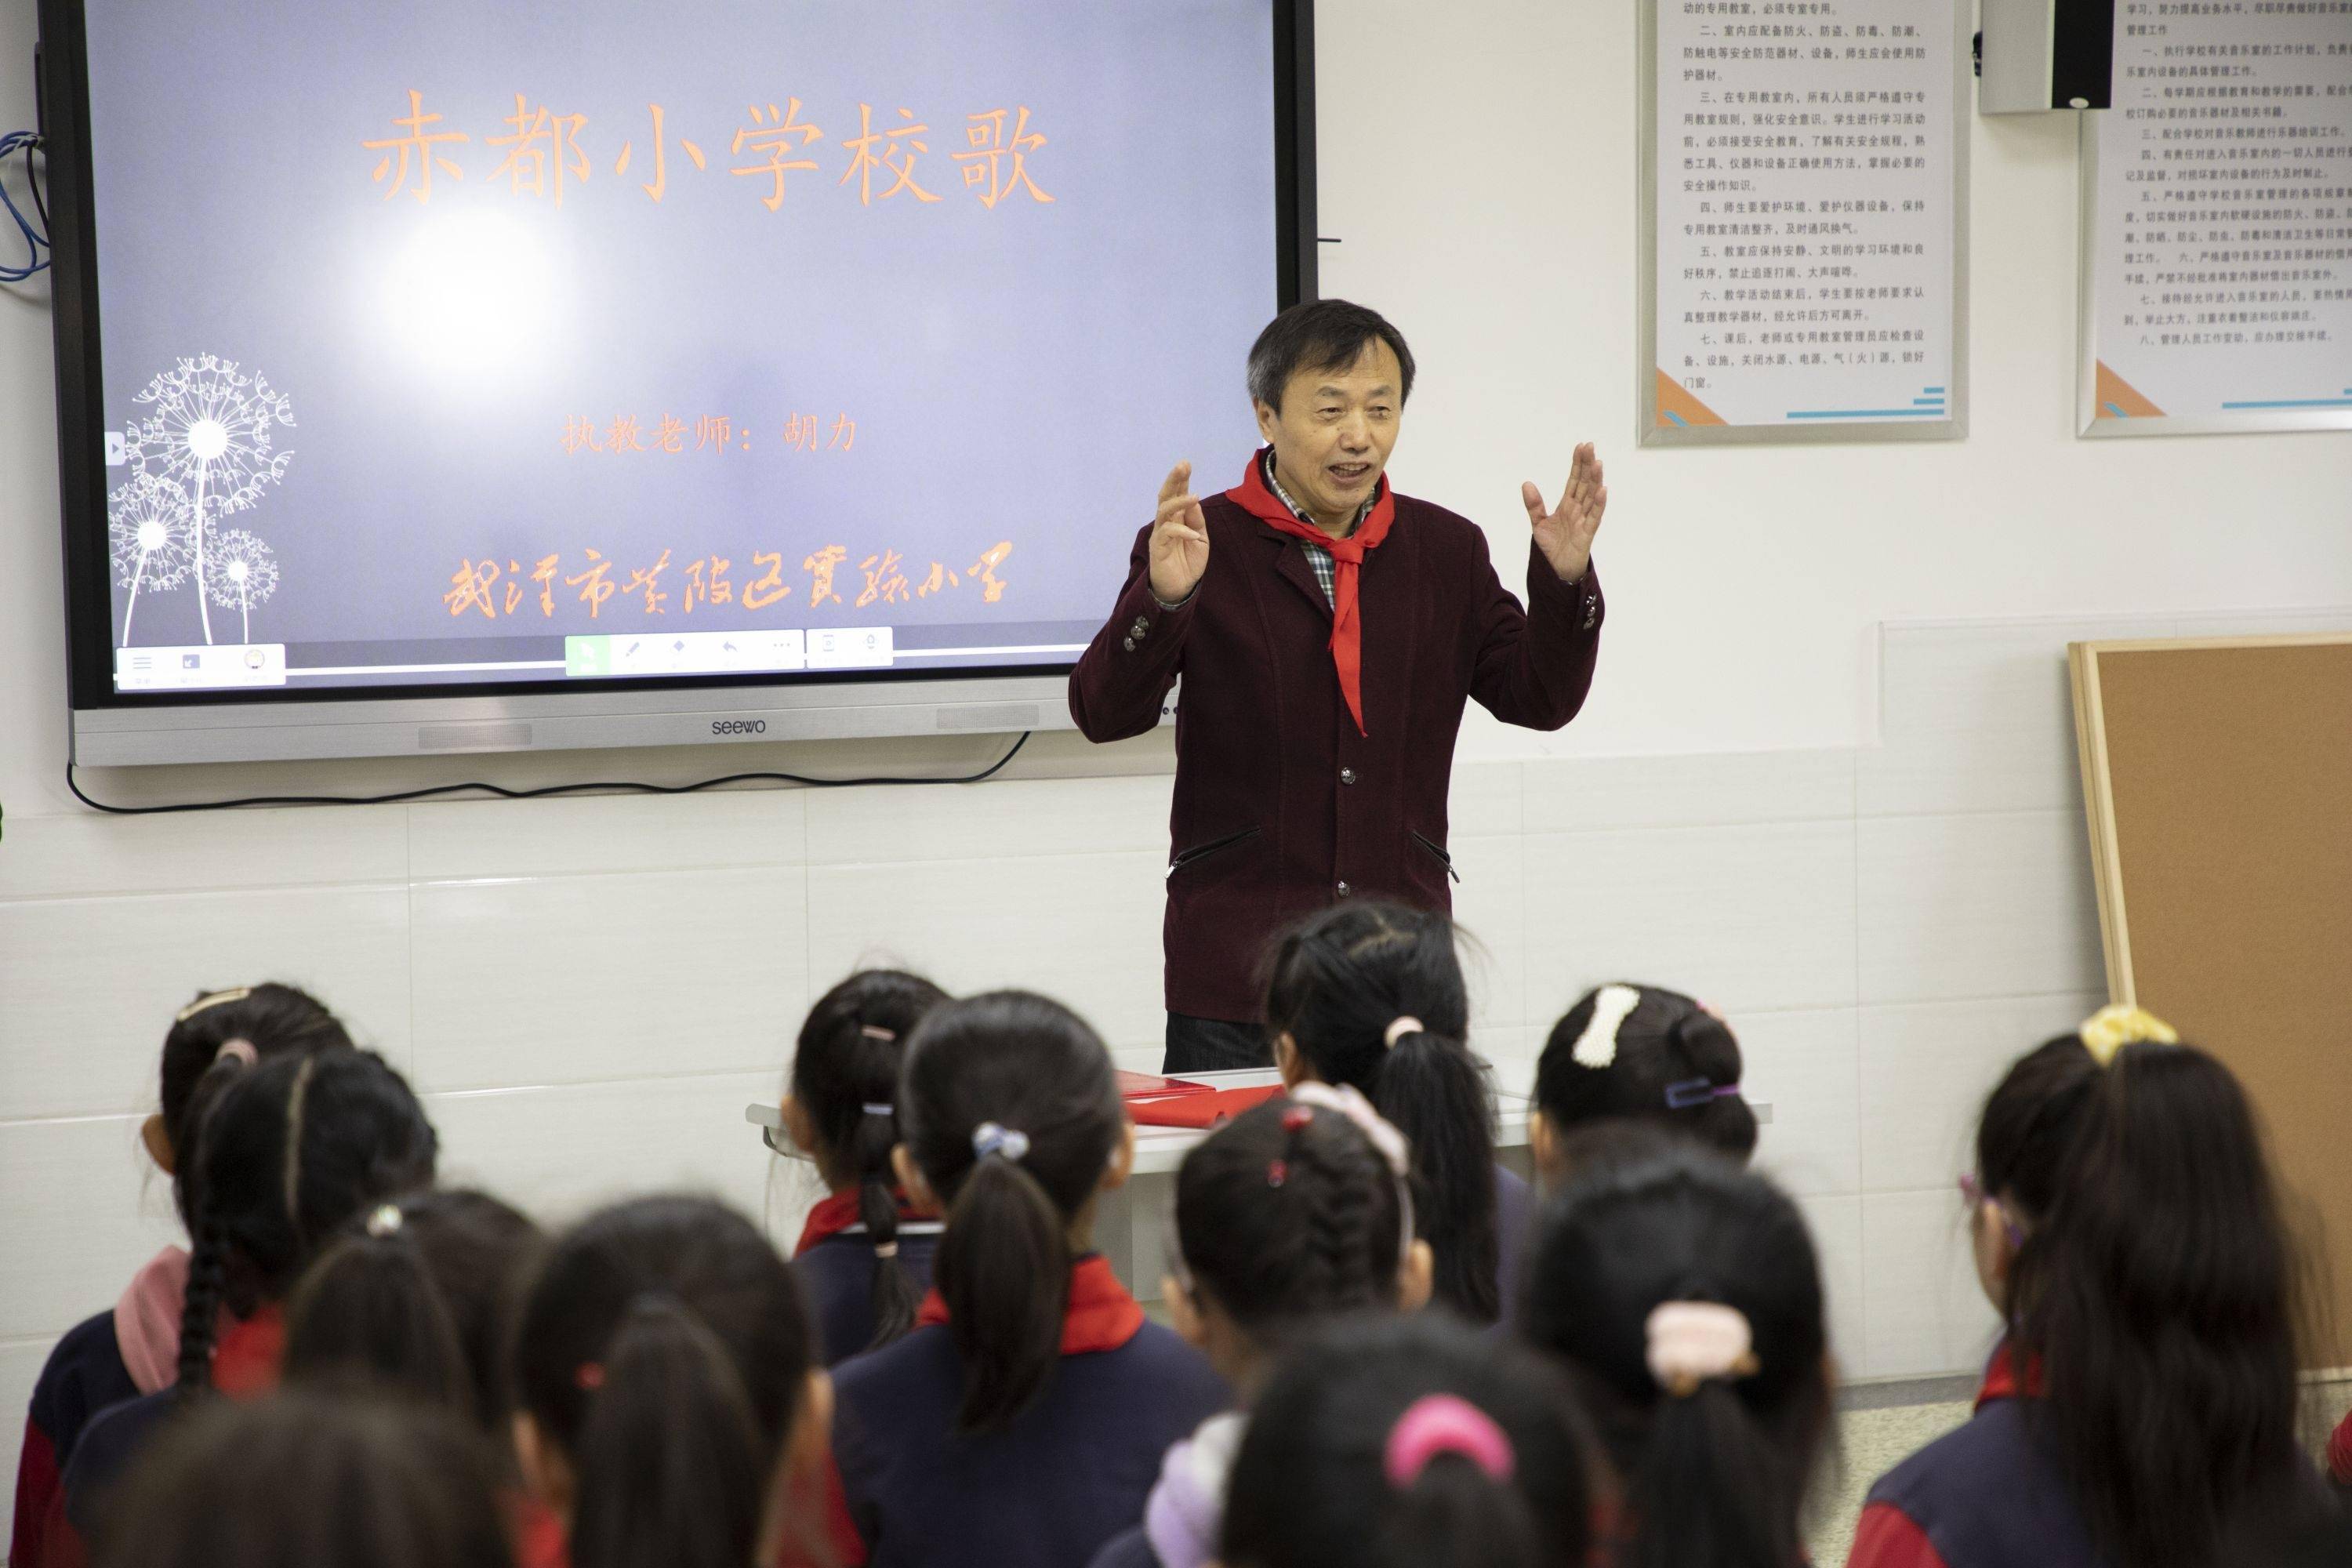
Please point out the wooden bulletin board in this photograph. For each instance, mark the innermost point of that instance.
(2217, 774)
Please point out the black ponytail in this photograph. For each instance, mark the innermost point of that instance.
(1312, 1486)
(692, 1499)
(1340, 984)
(1003, 1270)
(415, 1297)
(1436, 1093)
(369, 1311)
(1011, 1108)
(845, 1077)
(2160, 1294)
(1672, 1064)
(1288, 1214)
(1454, 1513)
(665, 1349)
(288, 1152)
(1716, 1472)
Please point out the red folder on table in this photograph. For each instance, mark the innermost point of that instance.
(1176, 1102)
(1135, 1088)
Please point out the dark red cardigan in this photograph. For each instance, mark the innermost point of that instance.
(1281, 806)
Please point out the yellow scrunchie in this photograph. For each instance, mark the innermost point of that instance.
(2110, 1029)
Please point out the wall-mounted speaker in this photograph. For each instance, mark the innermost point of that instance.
(2036, 55)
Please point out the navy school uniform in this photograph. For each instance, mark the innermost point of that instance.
(246, 1358)
(1988, 1495)
(1515, 1204)
(84, 1375)
(1070, 1472)
(835, 1260)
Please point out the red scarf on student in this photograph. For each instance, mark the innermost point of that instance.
(2001, 1381)
(836, 1213)
(1101, 1315)
(1254, 496)
(248, 1355)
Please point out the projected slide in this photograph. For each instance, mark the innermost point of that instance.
(445, 343)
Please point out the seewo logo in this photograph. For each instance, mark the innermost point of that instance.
(739, 726)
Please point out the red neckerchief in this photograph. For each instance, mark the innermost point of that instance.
(246, 1357)
(539, 1539)
(836, 1213)
(2002, 1382)
(1101, 1315)
(1346, 557)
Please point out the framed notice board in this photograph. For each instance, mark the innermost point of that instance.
(2217, 775)
(2217, 226)
(1804, 222)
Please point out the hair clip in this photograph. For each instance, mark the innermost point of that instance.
(1297, 1118)
(589, 1377)
(384, 1220)
(2110, 1029)
(874, 1107)
(1402, 1027)
(1691, 1342)
(885, 1250)
(1611, 1005)
(989, 1138)
(877, 1032)
(212, 999)
(1446, 1423)
(1693, 1091)
(1277, 1173)
(239, 1050)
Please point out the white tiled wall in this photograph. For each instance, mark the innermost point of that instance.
(588, 991)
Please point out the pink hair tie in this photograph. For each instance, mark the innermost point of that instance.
(1691, 1342)
(241, 1050)
(1444, 1424)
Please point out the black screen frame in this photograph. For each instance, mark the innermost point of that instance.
(62, 85)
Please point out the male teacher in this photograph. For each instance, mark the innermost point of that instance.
(1326, 656)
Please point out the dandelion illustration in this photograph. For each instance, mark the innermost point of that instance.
(211, 434)
(241, 573)
(148, 531)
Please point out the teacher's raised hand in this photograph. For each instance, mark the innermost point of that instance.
(1564, 533)
(1179, 539)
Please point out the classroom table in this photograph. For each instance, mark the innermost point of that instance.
(1135, 1225)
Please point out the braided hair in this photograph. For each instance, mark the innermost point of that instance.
(1342, 983)
(845, 1077)
(288, 1152)
(1288, 1214)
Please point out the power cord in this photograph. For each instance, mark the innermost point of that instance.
(37, 241)
(623, 786)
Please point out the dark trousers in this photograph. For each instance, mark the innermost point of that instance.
(1212, 1045)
